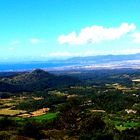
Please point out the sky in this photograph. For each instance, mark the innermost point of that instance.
(58, 29)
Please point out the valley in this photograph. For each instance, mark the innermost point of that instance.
(65, 102)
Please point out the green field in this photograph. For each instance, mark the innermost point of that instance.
(48, 116)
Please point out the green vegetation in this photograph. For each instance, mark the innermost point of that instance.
(103, 105)
(45, 117)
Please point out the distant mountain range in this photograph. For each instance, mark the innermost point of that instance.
(102, 61)
(105, 58)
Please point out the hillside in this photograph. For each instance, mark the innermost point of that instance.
(35, 80)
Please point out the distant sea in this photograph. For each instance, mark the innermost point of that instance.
(30, 66)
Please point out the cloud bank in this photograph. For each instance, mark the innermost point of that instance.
(92, 53)
(96, 34)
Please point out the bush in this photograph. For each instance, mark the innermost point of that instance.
(31, 129)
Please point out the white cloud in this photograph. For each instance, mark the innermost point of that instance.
(60, 54)
(73, 54)
(93, 53)
(70, 38)
(15, 42)
(136, 37)
(11, 49)
(37, 40)
(96, 34)
(34, 40)
(128, 51)
(122, 51)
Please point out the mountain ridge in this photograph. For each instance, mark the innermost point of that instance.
(126, 61)
(34, 81)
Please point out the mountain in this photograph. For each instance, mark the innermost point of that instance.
(104, 58)
(123, 61)
(35, 80)
(101, 62)
(104, 61)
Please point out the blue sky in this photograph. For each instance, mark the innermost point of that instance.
(50, 29)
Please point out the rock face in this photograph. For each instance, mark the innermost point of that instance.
(34, 81)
